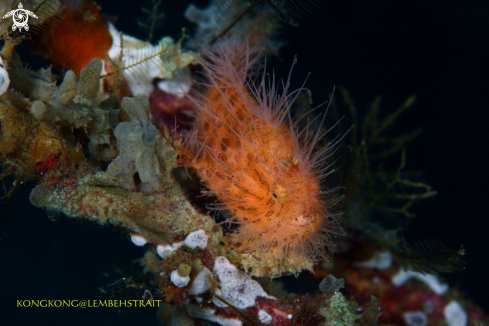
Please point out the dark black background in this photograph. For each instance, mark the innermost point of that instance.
(437, 50)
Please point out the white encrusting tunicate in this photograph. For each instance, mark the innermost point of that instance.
(138, 240)
(196, 239)
(415, 318)
(264, 317)
(193, 240)
(180, 85)
(201, 282)
(179, 280)
(165, 251)
(455, 314)
(237, 287)
(431, 280)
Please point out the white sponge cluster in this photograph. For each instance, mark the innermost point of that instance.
(237, 287)
(196, 239)
(193, 240)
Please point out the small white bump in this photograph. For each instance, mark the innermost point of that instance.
(138, 240)
(164, 251)
(264, 317)
(179, 280)
(455, 314)
(4, 79)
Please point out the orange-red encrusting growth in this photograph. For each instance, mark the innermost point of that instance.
(250, 155)
(77, 38)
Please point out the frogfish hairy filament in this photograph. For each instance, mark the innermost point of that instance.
(254, 158)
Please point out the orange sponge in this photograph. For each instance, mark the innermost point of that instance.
(77, 38)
